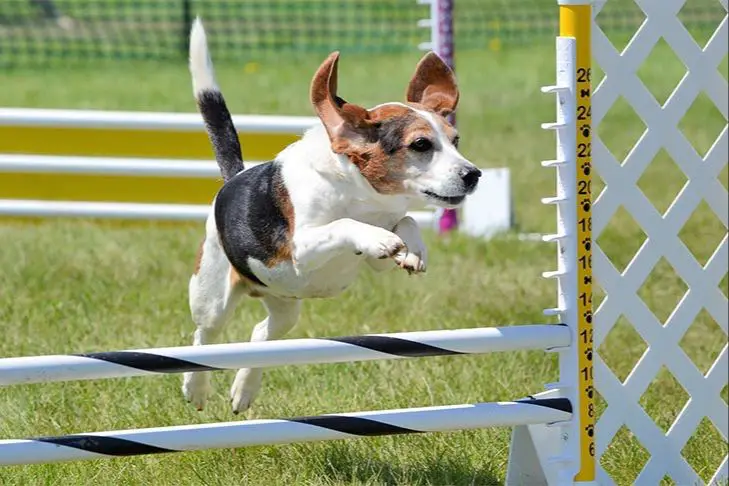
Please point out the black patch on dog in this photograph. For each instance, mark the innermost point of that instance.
(250, 218)
(222, 132)
(391, 132)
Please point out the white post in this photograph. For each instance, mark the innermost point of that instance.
(566, 238)
(544, 454)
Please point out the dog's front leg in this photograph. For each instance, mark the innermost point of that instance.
(282, 316)
(315, 246)
(414, 257)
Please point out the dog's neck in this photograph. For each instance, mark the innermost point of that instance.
(315, 150)
(330, 175)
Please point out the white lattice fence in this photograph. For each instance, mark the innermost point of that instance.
(663, 241)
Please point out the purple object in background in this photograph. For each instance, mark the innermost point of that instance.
(443, 46)
(448, 221)
(443, 38)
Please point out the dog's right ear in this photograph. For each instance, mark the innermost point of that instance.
(344, 122)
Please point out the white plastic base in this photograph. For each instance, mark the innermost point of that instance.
(488, 210)
(532, 452)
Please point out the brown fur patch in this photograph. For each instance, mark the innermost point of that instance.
(381, 157)
(237, 280)
(442, 121)
(284, 245)
(198, 258)
(388, 112)
(418, 128)
(235, 277)
(380, 170)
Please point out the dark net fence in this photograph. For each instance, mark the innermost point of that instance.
(42, 32)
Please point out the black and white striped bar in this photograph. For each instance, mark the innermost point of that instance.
(44, 369)
(99, 445)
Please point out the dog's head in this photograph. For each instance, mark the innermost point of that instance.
(401, 148)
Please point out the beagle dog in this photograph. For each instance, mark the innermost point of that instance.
(302, 225)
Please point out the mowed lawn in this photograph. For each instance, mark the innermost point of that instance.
(71, 286)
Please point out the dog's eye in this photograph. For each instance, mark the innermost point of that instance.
(456, 141)
(421, 145)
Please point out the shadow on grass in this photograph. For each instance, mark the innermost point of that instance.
(350, 465)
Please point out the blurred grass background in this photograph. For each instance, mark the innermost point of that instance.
(82, 30)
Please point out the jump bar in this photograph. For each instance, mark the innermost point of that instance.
(142, 120)
(140, 362)
(100, 445)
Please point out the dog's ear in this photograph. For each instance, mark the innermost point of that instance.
(434, 85)
(344, 122)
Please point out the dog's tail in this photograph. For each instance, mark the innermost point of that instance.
(210, 102)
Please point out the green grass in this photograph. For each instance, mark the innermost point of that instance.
(70, 286)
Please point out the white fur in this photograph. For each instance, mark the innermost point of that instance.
(201, 67)
(341, 223)
(441, 175)
(212, 299)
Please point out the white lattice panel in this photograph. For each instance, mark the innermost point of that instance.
(621, 79)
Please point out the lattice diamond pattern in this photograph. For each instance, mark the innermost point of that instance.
(623, 128)
(662, 291)
(666, 464)
(629, 12)
(661, 71)
(664, 399)
(702, 233)
(710, 9)
(698, 344)
(702, 135)
(622, 348)
(667, 481)
(661, 181)
(625, 457)
(705, 450)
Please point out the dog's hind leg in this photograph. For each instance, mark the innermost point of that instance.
(282, 316)
(213, 295)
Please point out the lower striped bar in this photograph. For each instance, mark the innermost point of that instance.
(99, 445)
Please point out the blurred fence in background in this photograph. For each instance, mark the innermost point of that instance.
(43, 32)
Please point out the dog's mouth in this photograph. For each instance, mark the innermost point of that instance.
(447, 200)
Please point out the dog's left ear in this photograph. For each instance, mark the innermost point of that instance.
(345, 122)
(434, 85)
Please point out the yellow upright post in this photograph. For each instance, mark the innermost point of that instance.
(575, 20)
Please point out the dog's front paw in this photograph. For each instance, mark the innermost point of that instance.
(196, 388)
(412, 261)
(379, 243)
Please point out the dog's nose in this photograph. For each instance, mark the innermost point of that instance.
(470, 176)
